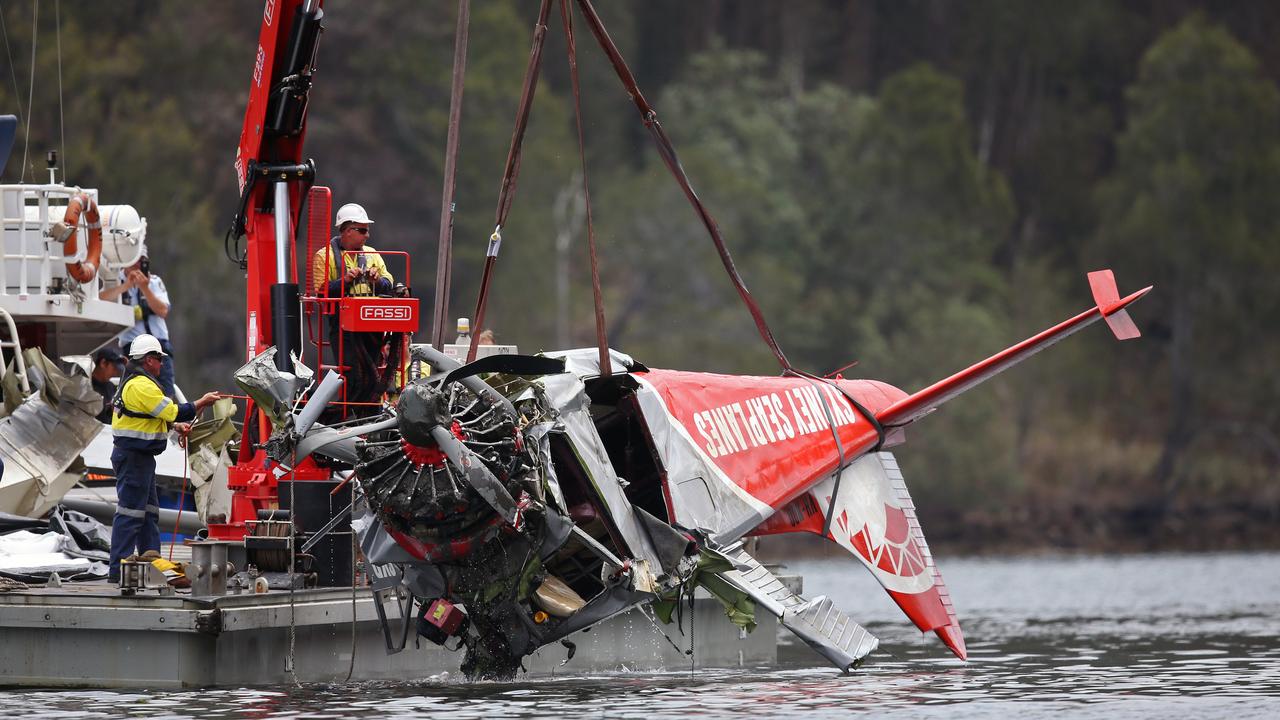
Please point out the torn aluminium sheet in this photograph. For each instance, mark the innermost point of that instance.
(43, 435)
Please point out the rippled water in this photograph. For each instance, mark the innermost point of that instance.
(1139, 636)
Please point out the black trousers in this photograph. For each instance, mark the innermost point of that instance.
(360, 355)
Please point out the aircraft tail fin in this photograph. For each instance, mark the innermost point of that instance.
(1107, 296)
(1109, 306)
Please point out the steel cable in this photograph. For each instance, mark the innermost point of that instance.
(668, 154)
(444, 257)
(62, 123)
(509, 176)
(13, 73)
(602, 337)
(31, 89)
(182, 498)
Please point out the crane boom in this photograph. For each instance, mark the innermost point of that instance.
(272, 174)
(274, 180)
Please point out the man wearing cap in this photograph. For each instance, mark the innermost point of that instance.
(107, 363)
(141, 418)
(363, 273)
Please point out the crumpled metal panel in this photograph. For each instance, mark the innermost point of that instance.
(209, 478)
(44, 435)
(217, 431)
(375, 542)
(272, 389)
(568, 396)
(702, 495)
(585, 362)
(541, 434)
(817, 622)
(208, 460)
(58, 387)
(615, 599)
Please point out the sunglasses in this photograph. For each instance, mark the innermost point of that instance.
(362, 231)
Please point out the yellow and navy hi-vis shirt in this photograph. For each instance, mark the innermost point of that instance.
(324, 269)
(142, 395)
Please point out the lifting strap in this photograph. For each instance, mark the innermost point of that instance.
(842, 460)
(602, 338)
(669, 157)
(665, 150)
(668, 153)
(506, 192)
(444, 257)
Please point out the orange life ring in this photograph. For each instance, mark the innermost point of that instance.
(65, 232)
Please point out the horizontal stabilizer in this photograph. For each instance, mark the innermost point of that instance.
(817, 622)
(1107, 296)
(1109, 306)
(1122, 325)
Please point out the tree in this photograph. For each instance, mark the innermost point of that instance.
(919, 295)
(1190, 207)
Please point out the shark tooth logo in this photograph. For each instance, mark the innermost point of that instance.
(895, 550)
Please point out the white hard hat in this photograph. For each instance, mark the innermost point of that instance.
(144, 345)
(352, 212)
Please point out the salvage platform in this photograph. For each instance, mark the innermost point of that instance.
(89, 635)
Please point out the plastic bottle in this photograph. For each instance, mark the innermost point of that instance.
(464, 331)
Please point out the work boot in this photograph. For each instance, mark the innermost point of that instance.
(150, 555)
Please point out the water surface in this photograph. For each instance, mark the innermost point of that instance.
(1096, 637)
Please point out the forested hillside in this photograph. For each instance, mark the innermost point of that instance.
(908, 184)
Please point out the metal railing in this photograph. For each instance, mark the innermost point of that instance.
(36, 265)
(319, 308)
(19, 363)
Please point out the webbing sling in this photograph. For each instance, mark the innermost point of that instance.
(602, 337)
(842, 461)
(507, 192)
(672, 162)
(665, 150)
(444, 255)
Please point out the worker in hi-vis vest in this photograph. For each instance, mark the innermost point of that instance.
(140, 421)
(363, 273)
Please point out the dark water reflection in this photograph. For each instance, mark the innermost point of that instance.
(1139, 636)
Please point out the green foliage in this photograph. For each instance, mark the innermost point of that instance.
(1191, 203)
(913, 186)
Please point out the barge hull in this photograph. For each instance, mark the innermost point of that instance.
(90, 636)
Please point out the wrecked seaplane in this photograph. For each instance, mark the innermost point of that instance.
(506, 503)
(515, 500)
